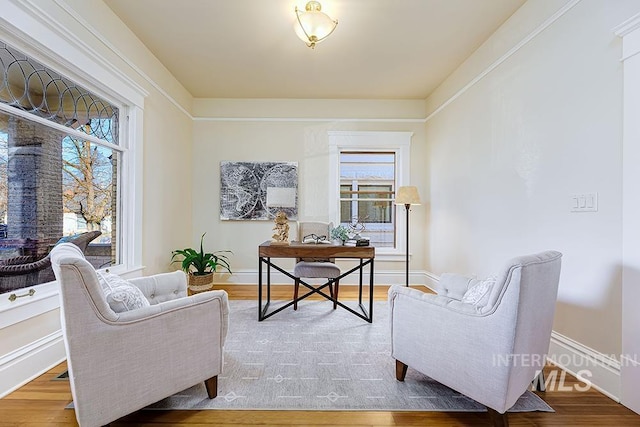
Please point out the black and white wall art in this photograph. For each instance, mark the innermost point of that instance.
(258, 190)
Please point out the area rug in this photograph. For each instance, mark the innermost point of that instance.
(317, 358)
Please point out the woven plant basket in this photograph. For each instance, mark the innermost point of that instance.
(200, 283)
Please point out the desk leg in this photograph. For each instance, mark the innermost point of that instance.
(370, 292)
(262, 309)
(259, 288)
(366, 314)
(360, 284)
(268, 280)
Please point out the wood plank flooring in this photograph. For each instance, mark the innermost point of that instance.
(42, 402)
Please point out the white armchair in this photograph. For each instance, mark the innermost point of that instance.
(121, 362)
(484, 339)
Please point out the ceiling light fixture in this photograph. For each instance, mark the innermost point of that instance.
(313, 26)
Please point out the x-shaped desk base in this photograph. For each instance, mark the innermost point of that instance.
(263, 306)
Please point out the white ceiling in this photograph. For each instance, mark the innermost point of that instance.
(381, 49)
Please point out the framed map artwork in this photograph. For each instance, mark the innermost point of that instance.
(258, 190)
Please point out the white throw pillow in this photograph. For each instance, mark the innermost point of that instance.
(478, 293)
(120, 294)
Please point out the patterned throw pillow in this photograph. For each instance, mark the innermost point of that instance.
(478, 293)
(120, 294)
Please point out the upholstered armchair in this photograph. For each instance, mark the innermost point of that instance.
(486, 339)
(315, 268)
(121, 361)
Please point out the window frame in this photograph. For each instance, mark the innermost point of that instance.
(63, 55)
(74, 133)
(358, 189)
(372, 141)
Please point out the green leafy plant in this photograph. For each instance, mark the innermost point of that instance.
(340, 233)
(201, 263)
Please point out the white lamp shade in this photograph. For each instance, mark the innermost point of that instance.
(407, 196)
(312, 26)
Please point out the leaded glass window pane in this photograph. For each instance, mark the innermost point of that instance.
(30, 86)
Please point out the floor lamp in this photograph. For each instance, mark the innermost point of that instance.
(407, 196)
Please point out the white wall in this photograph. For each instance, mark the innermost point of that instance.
(507, 152)
(167, 130)
(630, 369)
(290, 130)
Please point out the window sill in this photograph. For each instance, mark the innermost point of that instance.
(391, 256)
(45, 298)
(127, 273)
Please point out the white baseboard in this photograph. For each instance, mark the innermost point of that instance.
(603, 371)
(27, 363)
(390, 277)
(430, 280)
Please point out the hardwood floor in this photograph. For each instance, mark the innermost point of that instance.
(42, 402)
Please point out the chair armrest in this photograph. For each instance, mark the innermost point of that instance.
(453, 285)
(445, 302)
(163, 287)
(173, 305)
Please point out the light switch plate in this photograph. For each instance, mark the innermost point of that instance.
(583, 202)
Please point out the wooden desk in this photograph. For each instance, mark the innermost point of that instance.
(266, 251)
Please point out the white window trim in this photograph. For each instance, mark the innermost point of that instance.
(398, 142)
(45, 40)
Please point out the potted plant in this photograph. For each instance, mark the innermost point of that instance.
(340, 233)
(201, 266)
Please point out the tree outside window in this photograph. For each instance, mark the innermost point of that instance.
(87, 181)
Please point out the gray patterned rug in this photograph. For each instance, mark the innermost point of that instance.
(318, 358)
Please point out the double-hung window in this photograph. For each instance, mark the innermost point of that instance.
(367, 168)
(367, 187)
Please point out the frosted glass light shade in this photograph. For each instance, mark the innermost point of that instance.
(408, 196)
(312, 26)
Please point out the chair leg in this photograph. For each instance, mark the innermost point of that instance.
(498, 419)
(538, 382)
(401, 370)
(212, 387)
(296, 287)
(335, 294)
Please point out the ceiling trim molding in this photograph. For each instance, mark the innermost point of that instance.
(69, 10)
(303, 119)
(627, 26)
(532, 35)
(630, 36)
(32, 31)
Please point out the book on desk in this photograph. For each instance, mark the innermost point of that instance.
(363, 241)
